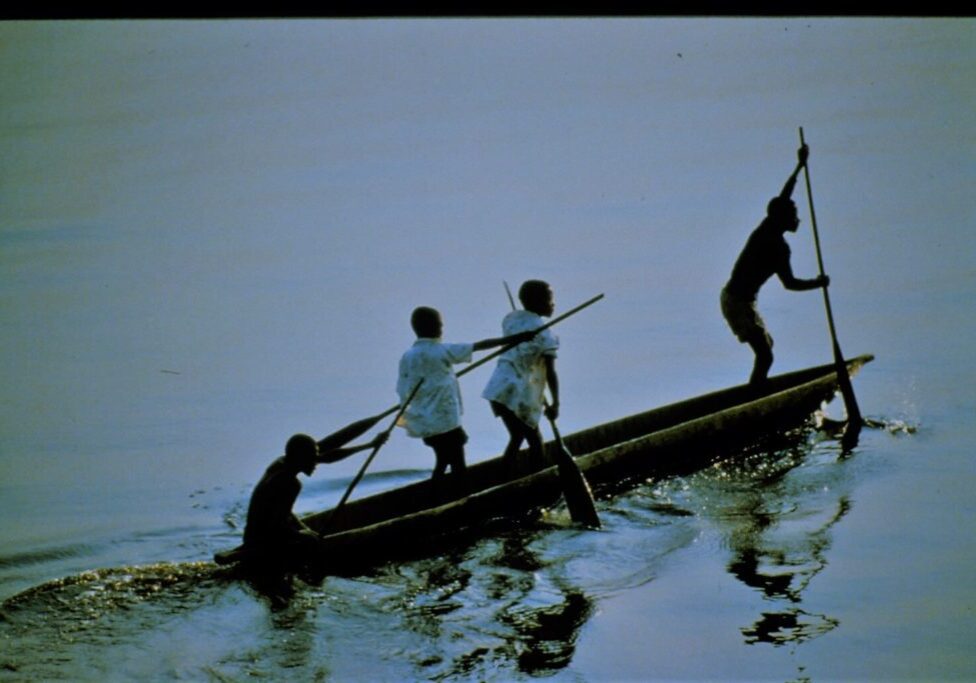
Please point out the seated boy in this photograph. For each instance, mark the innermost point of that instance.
(434, 414)
(273, 533)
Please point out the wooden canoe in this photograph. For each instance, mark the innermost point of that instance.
(675, 439)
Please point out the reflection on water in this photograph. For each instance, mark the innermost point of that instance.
(544, 634)
(491, 608)
(775, 510)
(508, 607)
(511, 606)
(61, 628)
(782, 571)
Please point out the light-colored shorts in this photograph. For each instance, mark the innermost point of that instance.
(743, 318)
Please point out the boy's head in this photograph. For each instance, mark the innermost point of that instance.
(301, 452)
(536, 296)
(782, 210)
(426, 322)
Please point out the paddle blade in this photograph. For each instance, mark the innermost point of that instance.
(847, 388)
(348, 433)
(852, 433)
(579, 497)
(576, 490)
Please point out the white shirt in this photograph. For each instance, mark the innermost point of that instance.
(437, 406)
(519, 380)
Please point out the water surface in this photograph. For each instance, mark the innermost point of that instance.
(212, 235)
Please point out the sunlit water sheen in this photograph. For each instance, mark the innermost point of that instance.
(212, 235)
(507, 607)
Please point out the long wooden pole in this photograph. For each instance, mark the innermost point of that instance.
(557, 319)
(844, 378)
(496, 353)
(369, 459)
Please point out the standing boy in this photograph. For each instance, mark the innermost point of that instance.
(766, 253)
(434, 414)
(516, 389)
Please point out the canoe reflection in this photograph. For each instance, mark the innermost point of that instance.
(776, 512)
(782, 568)
(515, 610)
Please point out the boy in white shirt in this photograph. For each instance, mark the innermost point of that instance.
(516, 389)
(434, 414)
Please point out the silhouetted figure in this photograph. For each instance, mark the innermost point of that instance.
(274, 534)
(434, 414)
(517, 387)
(766, 253)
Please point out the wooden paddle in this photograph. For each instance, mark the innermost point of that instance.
(369, 459)
(557, 319)
(854, 418)
(577, 491)
(346, 434)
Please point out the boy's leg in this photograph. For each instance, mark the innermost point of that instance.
(458, 466)
(762, 345)
(534, 438)
(519, 432)
(459, 469)
(449, 451)
(440, 466)
(749, 327)
(514, 427)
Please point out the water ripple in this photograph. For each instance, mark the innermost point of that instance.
(41, 556)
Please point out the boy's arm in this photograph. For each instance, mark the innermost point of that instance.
(802, 155)
(552, 379)
(337, 454)
(504, 341)
(795, 284)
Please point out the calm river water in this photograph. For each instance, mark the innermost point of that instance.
(212, 235)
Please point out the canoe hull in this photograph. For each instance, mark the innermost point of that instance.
(673, 440)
